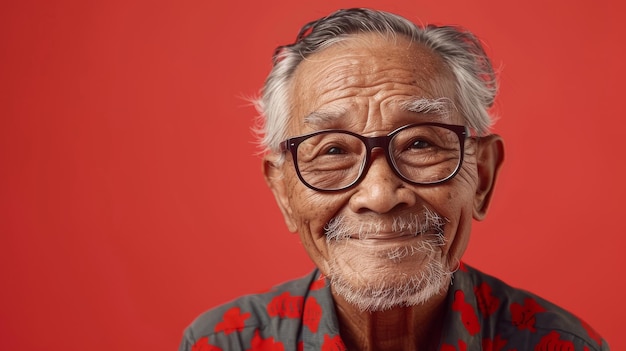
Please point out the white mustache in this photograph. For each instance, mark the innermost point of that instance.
(342, 227)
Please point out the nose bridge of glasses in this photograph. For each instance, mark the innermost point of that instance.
(377, 142)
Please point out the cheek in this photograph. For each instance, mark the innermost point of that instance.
(458, 208)
(459, 192)
(311, 211)
(312, 215)
(450, 200)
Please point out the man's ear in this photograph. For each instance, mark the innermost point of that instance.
(275, 179)
(489, 157)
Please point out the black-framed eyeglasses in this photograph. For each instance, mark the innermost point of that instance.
(422, 154)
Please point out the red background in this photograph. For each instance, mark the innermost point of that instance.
(131, 198)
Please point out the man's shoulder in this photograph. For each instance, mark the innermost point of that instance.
(506, 311)
(251, 316)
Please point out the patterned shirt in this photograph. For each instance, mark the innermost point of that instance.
(483, 313)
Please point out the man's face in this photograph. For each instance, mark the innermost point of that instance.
(377, 260)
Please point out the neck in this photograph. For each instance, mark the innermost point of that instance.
(400, 328)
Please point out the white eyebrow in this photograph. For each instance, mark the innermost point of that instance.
(443, 107)
(325, 115)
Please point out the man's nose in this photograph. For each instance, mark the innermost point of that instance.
(381, 190)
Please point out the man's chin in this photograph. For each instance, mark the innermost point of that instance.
(363, 261)
(386, 289)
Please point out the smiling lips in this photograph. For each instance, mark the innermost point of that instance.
(390, 235)
(406, 226)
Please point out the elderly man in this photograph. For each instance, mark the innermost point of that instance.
(379, 155)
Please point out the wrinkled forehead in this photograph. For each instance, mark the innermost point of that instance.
(375, 65)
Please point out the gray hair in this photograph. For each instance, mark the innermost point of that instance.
(461, 52)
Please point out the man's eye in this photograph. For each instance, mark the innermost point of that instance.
(335, 151)
(419, 144)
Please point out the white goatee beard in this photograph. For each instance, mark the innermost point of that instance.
(383, 287)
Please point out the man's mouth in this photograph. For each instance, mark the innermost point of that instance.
(399, 227)
(386, 235)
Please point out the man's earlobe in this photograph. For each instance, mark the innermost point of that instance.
(489, 158)
(274, 177)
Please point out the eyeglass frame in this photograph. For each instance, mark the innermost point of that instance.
(383, 142)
